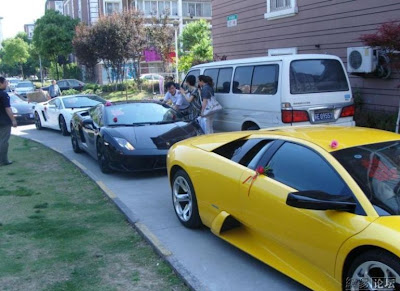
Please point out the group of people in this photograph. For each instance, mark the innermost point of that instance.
(191, 101)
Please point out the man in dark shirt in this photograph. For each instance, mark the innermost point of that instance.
(6, 121)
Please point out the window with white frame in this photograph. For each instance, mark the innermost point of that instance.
(112, 6)
(196, 9)
(158, 8)
(280, 8)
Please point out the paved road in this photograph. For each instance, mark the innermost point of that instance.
(205, 261)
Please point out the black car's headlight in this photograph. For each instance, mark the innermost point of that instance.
(124, 143)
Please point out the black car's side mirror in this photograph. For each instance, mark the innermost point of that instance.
(318, 200)
(88, 123)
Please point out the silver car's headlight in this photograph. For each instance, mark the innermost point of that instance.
(124, 143)
(14, 110)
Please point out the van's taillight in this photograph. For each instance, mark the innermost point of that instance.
(289, 116)
(348, 111)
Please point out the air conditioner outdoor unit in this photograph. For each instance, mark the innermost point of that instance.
(361, 59)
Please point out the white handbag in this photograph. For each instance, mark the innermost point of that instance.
(212, 107)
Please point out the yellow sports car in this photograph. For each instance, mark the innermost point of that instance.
(319, 204)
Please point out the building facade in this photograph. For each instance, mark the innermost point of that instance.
(29, 28)
(182, 11)
(1, 31)
(268, 27)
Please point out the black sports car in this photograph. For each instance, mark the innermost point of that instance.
(67, 84)
(129, 136)
(22, 110)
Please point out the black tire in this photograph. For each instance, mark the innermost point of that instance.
(192, 219)
(102, 158)
(63, 126)
(38, 123)
(383, 258)
(74, 141)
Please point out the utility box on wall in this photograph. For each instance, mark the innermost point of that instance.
(361, 59)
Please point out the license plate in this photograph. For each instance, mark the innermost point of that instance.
(323, 116)
(31, 115)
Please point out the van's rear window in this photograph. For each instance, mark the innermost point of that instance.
(316, 76)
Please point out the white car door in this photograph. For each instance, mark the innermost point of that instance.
(52, 112)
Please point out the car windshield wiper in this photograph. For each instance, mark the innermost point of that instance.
(164, 122)
(123, 124)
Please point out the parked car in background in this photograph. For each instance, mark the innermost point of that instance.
(320, 204)
(22, 110)
(57, 112)
(129, 136)
(24, 87)
(151, 77)
(12, 82)
(67, 84)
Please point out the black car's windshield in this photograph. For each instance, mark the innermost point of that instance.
(24, 85)
(82, 101)
(140, 113)
(376, 169)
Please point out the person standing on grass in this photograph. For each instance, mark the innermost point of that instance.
(54, 90)
(7, 120)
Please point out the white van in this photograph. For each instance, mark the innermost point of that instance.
(282, 90)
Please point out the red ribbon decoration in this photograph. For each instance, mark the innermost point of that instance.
(259, 171)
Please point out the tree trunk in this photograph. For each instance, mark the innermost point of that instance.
(58, 75)
(22, 71)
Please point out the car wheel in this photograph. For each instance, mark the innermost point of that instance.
(102, 158)
(38, 123)
(184, 200)
(74, 141)
(63, 126)
(373, 268)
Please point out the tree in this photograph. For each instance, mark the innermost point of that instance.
(161, 35)
(15, 52)
(134, 24)
(121, 37)
(196, 45)
(387, 38)
(112, 41)
(85, 48)
(53, 35)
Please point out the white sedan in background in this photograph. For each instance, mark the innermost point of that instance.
(57, 112)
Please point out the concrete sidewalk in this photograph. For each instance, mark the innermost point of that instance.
(204, 261)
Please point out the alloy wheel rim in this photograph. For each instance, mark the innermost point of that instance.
(373, 275)
(37, 121)
(62, 124)
(182, 197)
(74, 141)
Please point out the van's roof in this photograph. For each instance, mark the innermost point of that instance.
(267, 59)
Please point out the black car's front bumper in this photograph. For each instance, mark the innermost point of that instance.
(137, 160)
(25, 118)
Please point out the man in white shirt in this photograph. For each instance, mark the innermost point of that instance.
(178, 101)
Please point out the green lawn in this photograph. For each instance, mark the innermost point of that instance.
(58, 231)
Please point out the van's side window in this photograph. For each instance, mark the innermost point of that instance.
(213, 73)
(224, 80)
(265, 80)
(242, 80)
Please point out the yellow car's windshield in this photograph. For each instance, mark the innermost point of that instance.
(376, 169)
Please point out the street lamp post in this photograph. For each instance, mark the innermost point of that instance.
(176, 54)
